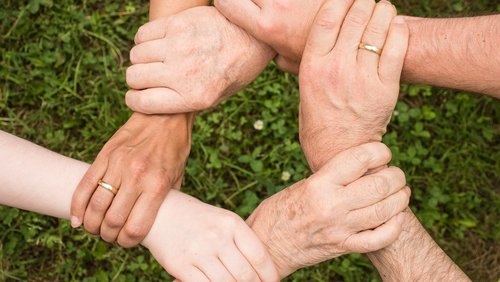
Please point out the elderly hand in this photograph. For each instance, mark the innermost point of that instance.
(283, 24)
(334, 212)
(191, 61)
(144, 159)
(347, 94)
(197, 242)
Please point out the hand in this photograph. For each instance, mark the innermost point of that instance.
(347, 95)
(197, 242)
(144, 159)
(284, 25)
(191, 61)
(334, 212)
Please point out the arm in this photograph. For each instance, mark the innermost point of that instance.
(140, 156)
(415, 256)
(458, 53)
(36, 179)
(361, 98)
(193, 241)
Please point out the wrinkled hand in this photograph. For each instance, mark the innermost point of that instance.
(334, 212)
(197, 242)
(191, 61)
(144, 159)
(347, 95)
(283, 24)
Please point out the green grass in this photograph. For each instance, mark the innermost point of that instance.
(62, 69)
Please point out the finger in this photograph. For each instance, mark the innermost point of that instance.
(236, 263)
(118, 212)
(143, 76)
(326, 27)
(150, 51)
(354, 26)
(373, 240)
(243, 13)
(101, 200)
(379, 213)
(152, 30)
(141, 218)
(287, 65)
(86, 188)
(215, 270)
(393, 55)
(256, 254)
(351, 164)
(192, 274)
(162, 101)
(376, 34)
(373, 188)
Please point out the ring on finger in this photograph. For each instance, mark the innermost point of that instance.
(108, 187)
(371, 48)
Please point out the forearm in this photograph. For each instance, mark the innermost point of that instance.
(459, 53)
(35, 179)
(415, 257)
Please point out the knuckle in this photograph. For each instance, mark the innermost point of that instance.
(380, 185)
(247, 275)
(380, 213)
(140, 35)
(361, 155)
(138, 166)
(115, 220)
(366, 246)
(202, 102)
(326, 19)
(267, 25)
(230, 220)
(376, 31)
(135, 231)
(99, 202)
(356, 18)
(399, 174)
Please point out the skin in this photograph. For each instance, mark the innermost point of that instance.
(198, 43)
(323, 217)
(414, 247)
(191, 240)
(130, 161)
(197, 242)
(437, 54)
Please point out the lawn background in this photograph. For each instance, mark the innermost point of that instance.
(62, 67)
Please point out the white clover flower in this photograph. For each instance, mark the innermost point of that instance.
(395, 113)
(285, 176)
(258, 125)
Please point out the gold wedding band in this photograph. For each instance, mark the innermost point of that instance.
(371, 48)
(108, 187)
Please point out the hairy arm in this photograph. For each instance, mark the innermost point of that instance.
(415, 257)
(459, 53)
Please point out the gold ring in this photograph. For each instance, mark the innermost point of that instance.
(371, 48)
(108, 187)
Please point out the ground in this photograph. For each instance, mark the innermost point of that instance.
(62, 67)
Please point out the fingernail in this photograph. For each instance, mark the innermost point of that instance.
(399, 20)
(75, 222)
